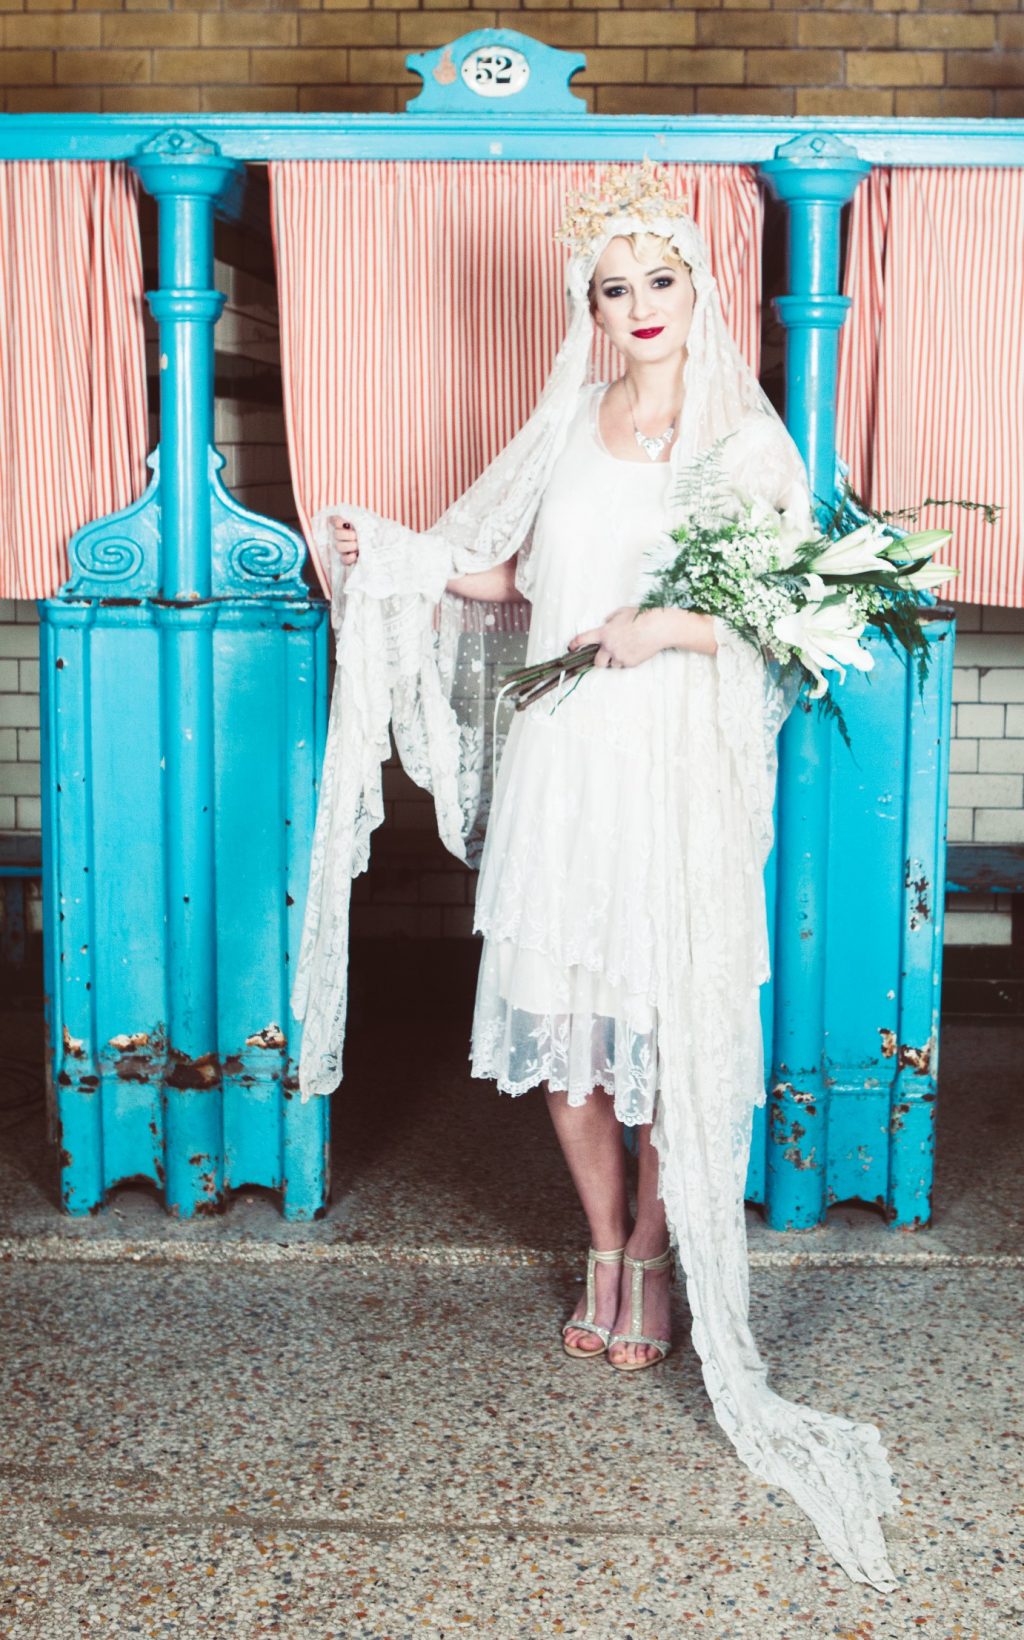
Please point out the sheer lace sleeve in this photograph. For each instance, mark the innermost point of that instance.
(393, 561)
(764, 464)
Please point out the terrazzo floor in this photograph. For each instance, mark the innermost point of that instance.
(365, 1428)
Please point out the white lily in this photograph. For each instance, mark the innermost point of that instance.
(921, 545)
(852, 554)
(928, 576)
(825, 638)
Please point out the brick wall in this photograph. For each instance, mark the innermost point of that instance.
(706, 56)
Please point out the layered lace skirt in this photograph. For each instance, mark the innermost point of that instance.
(568, 878)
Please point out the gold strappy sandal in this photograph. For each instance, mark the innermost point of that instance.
(636, 1314)
(588, 1324)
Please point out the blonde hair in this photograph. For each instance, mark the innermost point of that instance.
(638, 241)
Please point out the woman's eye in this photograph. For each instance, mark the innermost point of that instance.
(664, 280)
(615, 290)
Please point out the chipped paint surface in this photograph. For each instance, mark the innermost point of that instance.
(271, 1036)
(919, 909)
(200, 1072)
(73, 1045)
(125, 1044)
(906, 1055)
(797, 1159)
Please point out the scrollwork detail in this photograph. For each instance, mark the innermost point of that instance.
(262, 558)
(108, 557)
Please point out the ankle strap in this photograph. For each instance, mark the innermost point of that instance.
(657, 1263)
(611, 1257)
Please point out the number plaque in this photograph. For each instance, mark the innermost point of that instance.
(495, 71)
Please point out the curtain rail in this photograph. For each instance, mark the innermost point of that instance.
(257, 138)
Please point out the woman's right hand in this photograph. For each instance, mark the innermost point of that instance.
(343, 540)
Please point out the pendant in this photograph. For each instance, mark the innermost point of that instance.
(651, 446)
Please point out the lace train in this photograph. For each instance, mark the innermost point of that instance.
(699, 962)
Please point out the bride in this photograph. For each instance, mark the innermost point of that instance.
(621, 893)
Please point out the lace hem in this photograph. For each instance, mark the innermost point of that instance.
(577, 1099)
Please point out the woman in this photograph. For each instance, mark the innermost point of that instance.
(621, 893)
(642, 297)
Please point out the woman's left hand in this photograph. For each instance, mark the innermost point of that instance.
(629, 637)
(626, 639)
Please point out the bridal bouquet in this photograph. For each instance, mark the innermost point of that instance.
(804, 602)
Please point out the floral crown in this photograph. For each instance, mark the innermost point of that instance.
(624, 190)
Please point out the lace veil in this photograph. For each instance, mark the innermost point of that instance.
(429, 676)
(428, 679)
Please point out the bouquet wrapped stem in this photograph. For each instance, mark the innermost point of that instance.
(803, 603)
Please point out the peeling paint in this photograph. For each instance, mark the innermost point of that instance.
(125, 1044)
(905, 1054)
(920, 909)
(919, 1059)
(202, 1072)
(803, 1163)
(271, 1036)
(73, 1045)
(799, 1096)
(134, 1067)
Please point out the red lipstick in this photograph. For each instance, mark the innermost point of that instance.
(644, 334)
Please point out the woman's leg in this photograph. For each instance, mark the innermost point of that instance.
(591, 1141)
(649, 1237)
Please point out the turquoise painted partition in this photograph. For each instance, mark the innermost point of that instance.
(209, 1102)
(861, 1124)
(184, 686)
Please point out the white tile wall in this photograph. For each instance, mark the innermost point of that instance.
(986, 783)
(986, 758)
(19, 717)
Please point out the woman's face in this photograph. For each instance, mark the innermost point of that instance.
(643, 302)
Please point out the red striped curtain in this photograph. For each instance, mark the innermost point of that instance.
(422, 306)
(72, 367)
(931, 361)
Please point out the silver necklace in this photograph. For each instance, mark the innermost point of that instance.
(652, 445)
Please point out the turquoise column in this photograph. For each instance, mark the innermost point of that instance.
(69, 889)
(914, 1050)
(188, 177)
(814, 176)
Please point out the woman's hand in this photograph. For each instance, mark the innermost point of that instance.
(629, 637)
(343, 540)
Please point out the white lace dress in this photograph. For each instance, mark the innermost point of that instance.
(621, 893)
(569, 875)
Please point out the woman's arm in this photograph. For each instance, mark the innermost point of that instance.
(494, 586)
(629, 637)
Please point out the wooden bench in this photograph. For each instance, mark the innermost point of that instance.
(981, 981)
(985, 868)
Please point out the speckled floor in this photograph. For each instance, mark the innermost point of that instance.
(366, 1429)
